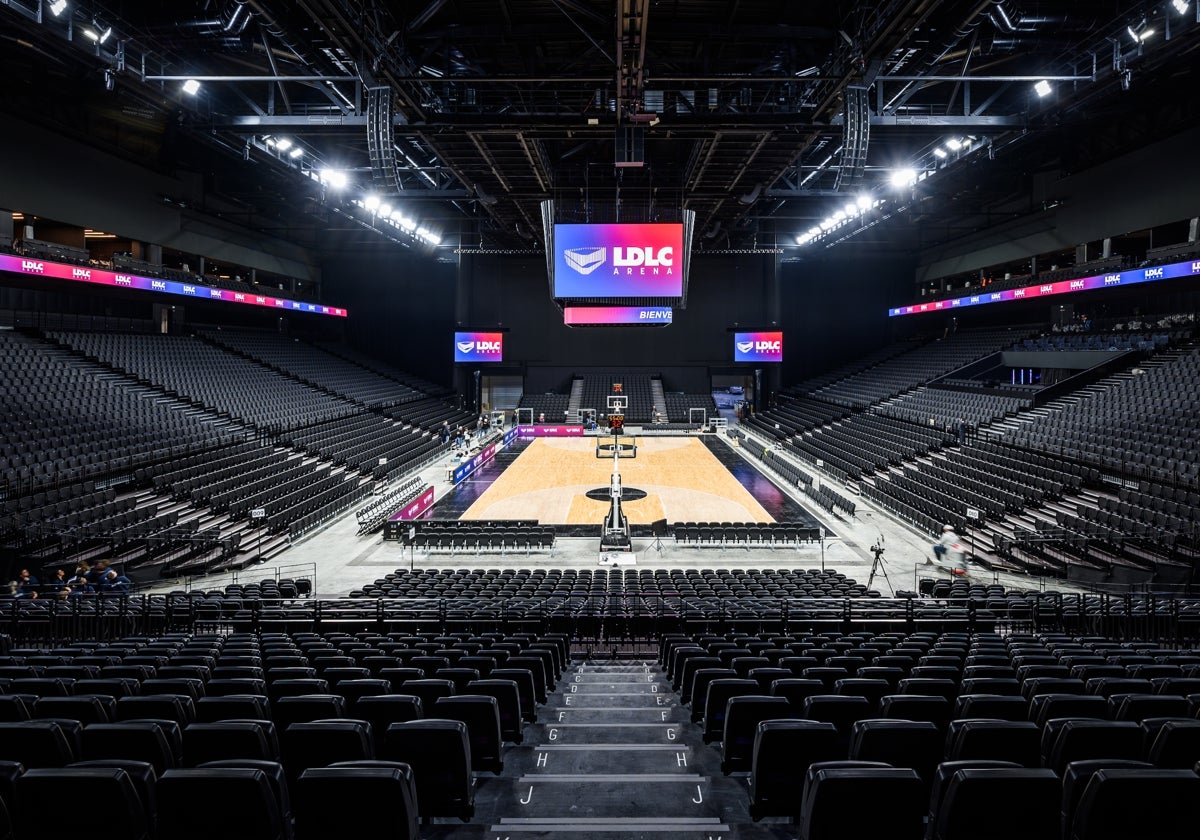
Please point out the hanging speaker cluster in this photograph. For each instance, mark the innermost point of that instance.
(380, 143)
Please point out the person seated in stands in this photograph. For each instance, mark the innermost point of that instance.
(27, 583)
(60, 580)
(95, 575)
(115, 583)
(542, 417)
(79, 585)
(949, 552)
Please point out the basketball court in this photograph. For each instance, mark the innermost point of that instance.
(680, 476)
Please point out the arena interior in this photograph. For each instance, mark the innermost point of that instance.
(471, 419)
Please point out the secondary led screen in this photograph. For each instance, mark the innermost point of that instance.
(1100, 281)
(38, 267)
(618, 261)
(478, 347)
(758, 347)
(577, 316)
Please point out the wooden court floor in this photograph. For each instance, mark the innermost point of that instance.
(683, 481)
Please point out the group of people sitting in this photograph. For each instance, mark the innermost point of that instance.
(86, 579)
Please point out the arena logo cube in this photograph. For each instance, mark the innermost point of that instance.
(638, 260)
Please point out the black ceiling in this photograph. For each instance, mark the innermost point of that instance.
(497, 105)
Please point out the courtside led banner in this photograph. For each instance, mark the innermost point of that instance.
(478, 347)
(758, 347)
(1062, 287)
(618, 261)
(550, 431)
(36, 267)
(577, 316)
(415, 508)
(467, 467)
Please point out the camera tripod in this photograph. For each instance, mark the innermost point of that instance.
(878, 566)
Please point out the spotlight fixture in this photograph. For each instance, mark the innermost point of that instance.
(295, 152)
(385, 210)
(105, 35)
(1181, 6)
(940, 153)
(954, 144)
(191, 87)
(334, 178)
(1140, 34)
(903, 178)
(283, 144)
(863, 202)
(60, 6)
(1043, 88)
(371, 202)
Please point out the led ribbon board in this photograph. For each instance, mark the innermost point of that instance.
(578, 316)
(618, 261)
(758, 347)
(478, 347)
(1083, 284)
(35, 267)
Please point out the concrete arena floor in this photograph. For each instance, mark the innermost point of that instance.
(340, 561)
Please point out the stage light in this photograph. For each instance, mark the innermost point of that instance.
(191, 87)
(59, 6)
(1181, 6)
(851, 208)
(954, 144)
(940, 153)
(334, 178)
(371, 202)
(385, 209)
(826, 224)
(863, 203)
(104, 36)
(90, 34)
(803, 239)
(283, 144)
(1043, 88)
(839, 215)
(814, 231)
(903, 178)
(296, 152)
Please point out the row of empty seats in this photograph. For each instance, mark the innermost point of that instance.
(879, 726)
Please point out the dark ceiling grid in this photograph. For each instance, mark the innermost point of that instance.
(500, 104)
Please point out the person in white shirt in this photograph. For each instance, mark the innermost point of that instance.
(949, 552)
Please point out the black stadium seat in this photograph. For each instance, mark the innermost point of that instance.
(249, 805)
(40, 811)
(439, 752)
